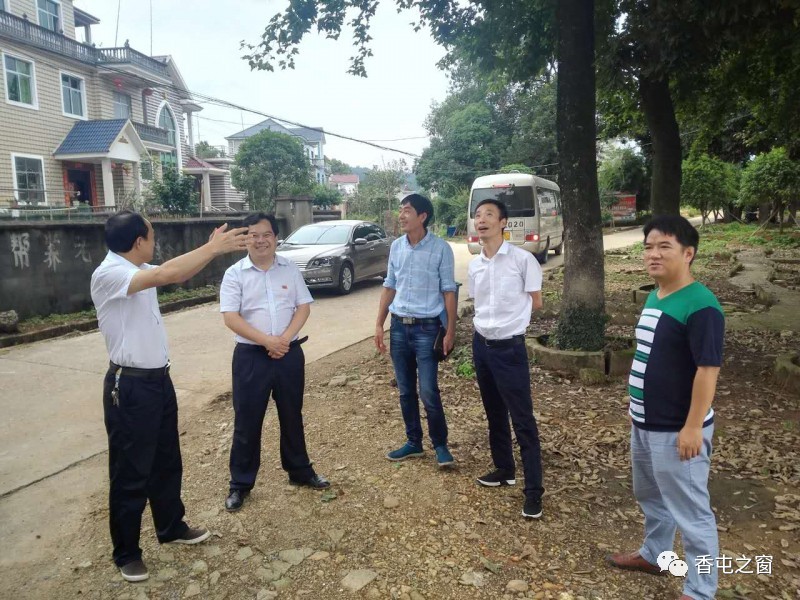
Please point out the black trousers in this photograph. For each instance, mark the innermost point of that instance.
(255, 377)
(505, 383)
(144, 461)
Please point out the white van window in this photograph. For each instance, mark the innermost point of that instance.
(518, 199)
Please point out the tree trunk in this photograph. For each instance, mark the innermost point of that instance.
(659, 112)
(581, 323)
(733, 212)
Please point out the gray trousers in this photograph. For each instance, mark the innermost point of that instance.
(673, 494)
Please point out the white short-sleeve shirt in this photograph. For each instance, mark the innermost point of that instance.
(267, 300)
(132, 326)
(501, 287)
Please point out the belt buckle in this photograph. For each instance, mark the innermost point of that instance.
(407, 320)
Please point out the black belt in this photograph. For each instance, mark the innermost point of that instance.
(416, 320)
(512, 341)
(292, 344)
(158, 373)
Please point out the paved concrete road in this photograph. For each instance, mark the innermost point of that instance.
(51, 390)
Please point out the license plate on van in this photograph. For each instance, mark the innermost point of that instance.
(515, 235)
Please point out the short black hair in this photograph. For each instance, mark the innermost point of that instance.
(257, 217)
(676, 226)
(123, 229)
(420, 204)
(499, 204)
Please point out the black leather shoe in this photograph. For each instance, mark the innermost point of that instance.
(318, 482)
(235, 500)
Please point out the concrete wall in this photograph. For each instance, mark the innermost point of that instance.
(46, 268)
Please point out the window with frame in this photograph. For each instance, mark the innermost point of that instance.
(168, 160)
(19, 80)
(72, 91)
(123, 109)
(167, 121)
(49, 14)
(29, 179)
(146, 168)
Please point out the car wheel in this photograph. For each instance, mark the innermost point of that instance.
(559, 249)
(346, 278)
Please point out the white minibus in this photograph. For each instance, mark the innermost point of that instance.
(535, 221)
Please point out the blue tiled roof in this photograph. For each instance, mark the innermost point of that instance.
(93, 137)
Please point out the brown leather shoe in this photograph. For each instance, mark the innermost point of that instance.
(633, 561)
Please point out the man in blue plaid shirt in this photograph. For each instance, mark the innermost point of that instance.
(419, 286)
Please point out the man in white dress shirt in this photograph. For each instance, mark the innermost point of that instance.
(139, 404)
(506, 282)
(265, 302)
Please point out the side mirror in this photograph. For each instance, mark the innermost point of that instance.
(359, 242)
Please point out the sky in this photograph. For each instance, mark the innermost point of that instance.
(204, 39)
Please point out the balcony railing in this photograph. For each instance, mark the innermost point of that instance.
(156, 135)
(26, 32)
(127, 55)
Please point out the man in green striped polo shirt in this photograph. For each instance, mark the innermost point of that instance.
(679, 339)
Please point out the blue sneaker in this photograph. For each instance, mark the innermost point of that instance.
(443, 456)
(408, 450)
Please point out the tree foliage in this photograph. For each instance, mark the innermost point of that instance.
(205, 150)
(378, 191)
(771, 178)
(484, 124)
(451, 211)
(269, 164)
(325, 196)
(338, 167)
(174, 192)
(708, 184)
(621, 169)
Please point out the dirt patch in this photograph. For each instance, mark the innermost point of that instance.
(430, 533)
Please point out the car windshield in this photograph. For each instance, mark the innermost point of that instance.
(518, 199)
(320, 234)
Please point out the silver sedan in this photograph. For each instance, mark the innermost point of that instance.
(336, 254)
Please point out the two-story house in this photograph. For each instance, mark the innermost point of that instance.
(82, 124)
(313, 140)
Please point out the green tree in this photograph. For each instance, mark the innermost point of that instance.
(269, 164)
(174, 192)
(451, 211)
(378, 191)
(518, 39)
(709, 184)
(338, 167)
(621, 170)
(515, 168)
(205, 150)
(772, 181)
(326, 196)
(691, 65)
(484, 123)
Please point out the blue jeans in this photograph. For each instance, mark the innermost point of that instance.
(674, 495)
(411, 347)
